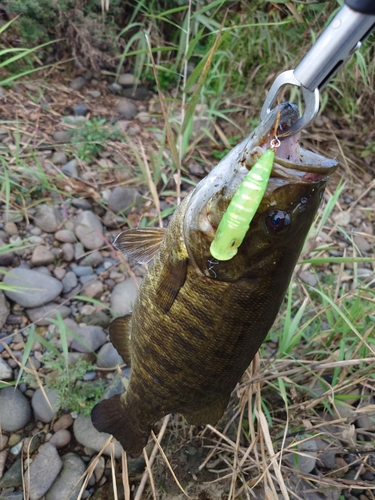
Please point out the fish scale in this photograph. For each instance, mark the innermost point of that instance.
(197, 322)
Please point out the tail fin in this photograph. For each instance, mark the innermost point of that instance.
(112, 416)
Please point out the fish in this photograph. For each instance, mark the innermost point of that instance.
(198, 322)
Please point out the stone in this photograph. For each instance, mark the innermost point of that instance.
(38, 288)
(89, 230)
(92, 338)
(61, 136)
(83, 271)
(69, 281)
(48, 218)
(43, 471)
(42, 407)
(59, 273)
(80, 109)
(64, 422)
(71, 168)
(122, 198)
(123, 296)
(362, 243)
(139, 93)
(42, 315)
(6, 372)
(126, 79)
(93, 290)
(108, 356)
(94, 93)
(308, 277)
(3, 458)
(93, 259)
(86, 434)
(59, 158)
(11, 228)
(65, 236)
(13, 476)
(61, 438)
(81, 203)
(143, 117)
(78, 83)
(4, 310)
(41, 256)
(68, 252)
(305, 460)
(126, 109)
(68, 484)
(15, 411)
(115, 88)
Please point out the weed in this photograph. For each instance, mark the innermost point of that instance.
(90, 137)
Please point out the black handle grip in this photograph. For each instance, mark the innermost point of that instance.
(362, 6)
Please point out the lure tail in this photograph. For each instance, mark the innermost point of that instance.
(113, 417)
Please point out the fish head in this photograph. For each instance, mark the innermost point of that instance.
(279, 228)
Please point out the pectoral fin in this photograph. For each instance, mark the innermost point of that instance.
(140, 244)
(171, 280)
(119, 333)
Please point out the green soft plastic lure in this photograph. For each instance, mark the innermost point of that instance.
(240, 212)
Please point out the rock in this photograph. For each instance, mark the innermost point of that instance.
(362, 243)
(93, 290)
(140, 93)
(143, 117)
(69, 281)
(68, 252)
(79, 251)
(42, 315)
(97, 318)
(122, 198)
(41, 407)
(81, 203)
(42, 256)
(59, 158)
(94, 93)
(92, 338)
(65, 236)
(48, 218)
(6, 372)
(64, 422)
(11, 228)
(112, 220)
(78, 83)
(86, 434)
(308, 278)
(61, 438)
(108, 356)
(15, 411)
(305, 460)
(89, 230)
(99, 468)
(115, 88)
(123, 296)
(13, 476)
(126, 79)
(126, 109)
(59, 273)
(40, 288)
(71, 168)
(6, 259)
(83, 271)
(67, 484)
(4, 310)
(80, 109)
(3, 458)
(61, 136)
(93, 259)
(43, 471)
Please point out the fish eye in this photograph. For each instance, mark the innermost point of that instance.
(277, 221)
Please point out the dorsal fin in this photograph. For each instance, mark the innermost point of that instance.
(170, 281)
(140, 244)
(119, 333)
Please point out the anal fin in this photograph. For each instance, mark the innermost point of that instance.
(119, 333)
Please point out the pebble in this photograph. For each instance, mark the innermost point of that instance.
(65, 236)
(16, 449)
(6, 372)
(68, 252)
(94, 93)
(126, 108)
(35, 240)
(71, 168)
(78, 83)
(14, 439)
(342, 218)
(69, 281)
(42, 315)
(305, 462)
(93, 290)
(126, 79)
(64, 422)
(140, 93)
(362, 243)
(143, 117)
(41, 256)
(122, 198)
(97, 318)
(99, 468)
(15, 411)
(13, 476)
(40, 290)
(61, 438)
(80, 109)
(43, 471)
(67, 484)
(3, 458)
(87, 435)
(81, 203)
(80, 271)
(59, 273)
(61, 136)
(79, 250)
(92, 338)
(89, 230)
(115, 88)
(41, 407)
(59, 158)
(308, 277)
(4, 310)
(11, 228)
(93, 259)
(48, 218)
(112, 220)
(123, 296)
(108, 356)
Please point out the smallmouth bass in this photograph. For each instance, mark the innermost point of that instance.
(198, 322)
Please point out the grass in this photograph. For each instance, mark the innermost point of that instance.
(320, 352)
